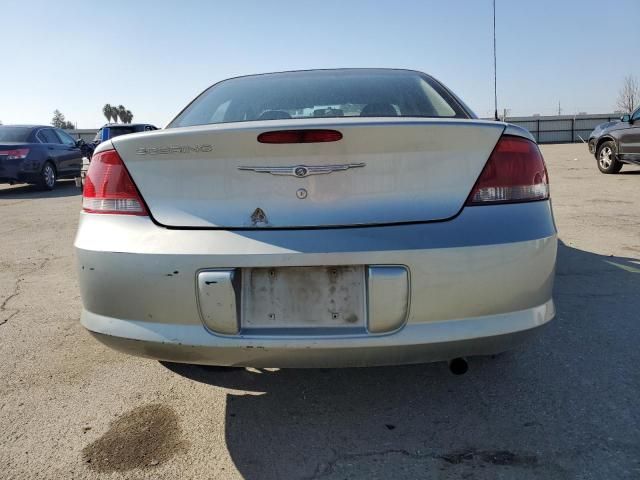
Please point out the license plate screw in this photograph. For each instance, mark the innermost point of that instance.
(335, 316)
(272, 316)
(272, 273)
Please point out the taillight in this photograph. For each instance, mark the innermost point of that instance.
(108, 187)
(515, 172)
(300, 136)
(16, 154)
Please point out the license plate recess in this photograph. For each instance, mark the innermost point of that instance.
(303, 297)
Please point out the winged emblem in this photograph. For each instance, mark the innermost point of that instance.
(302, 171)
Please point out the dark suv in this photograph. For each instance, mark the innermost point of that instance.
(111, 130)
(617, 143)
(107, 132)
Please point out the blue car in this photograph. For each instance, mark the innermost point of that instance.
(38, 154)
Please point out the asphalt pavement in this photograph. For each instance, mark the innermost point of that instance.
(564, 406)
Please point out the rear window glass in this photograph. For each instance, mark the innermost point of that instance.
(318, 94)
(14, 134)
(117, 131)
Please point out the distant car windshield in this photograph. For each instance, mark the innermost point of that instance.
(14, 134)
(321, 93)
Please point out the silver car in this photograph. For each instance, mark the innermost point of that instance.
(318, 218)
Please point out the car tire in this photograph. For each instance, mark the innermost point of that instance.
(606, 158)
(48, 177)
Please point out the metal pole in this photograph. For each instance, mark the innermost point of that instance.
(495, 69)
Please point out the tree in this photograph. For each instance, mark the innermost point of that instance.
(629, 95)
(58, 120)
(107, 110)
(111, 112)
(122, 113)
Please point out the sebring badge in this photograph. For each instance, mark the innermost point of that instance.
(302, 171)
(174, 149)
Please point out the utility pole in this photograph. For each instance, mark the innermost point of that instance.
(559, 109)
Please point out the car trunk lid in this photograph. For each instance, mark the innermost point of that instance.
(381, 171)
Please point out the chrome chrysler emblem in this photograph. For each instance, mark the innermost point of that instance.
(302, 171)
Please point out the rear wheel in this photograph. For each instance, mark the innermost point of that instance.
(607, 158)
(48, 177)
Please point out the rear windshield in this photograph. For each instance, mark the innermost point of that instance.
(314, 94)
(117, 131)
(14, 134)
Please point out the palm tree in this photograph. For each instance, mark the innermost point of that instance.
(129, 116)
(114, 114)
(122, 113)
(107, 111)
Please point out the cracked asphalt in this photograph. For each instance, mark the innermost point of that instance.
(564, 406)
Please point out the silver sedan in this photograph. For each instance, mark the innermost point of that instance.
(319, 218)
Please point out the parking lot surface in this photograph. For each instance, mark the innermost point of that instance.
(564, 406)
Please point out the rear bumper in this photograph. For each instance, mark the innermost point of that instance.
(479, 284)
(19, 171)
(418, 343)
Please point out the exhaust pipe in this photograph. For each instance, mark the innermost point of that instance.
(458, 366)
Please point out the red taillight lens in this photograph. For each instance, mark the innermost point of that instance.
(515, 172)
(108, 187)
(16, 154)
(300, 136)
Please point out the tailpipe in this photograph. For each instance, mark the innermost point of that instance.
(458, 366)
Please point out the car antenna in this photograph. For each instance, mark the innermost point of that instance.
(495, 70)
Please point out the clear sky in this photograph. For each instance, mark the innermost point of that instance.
(155, 56)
